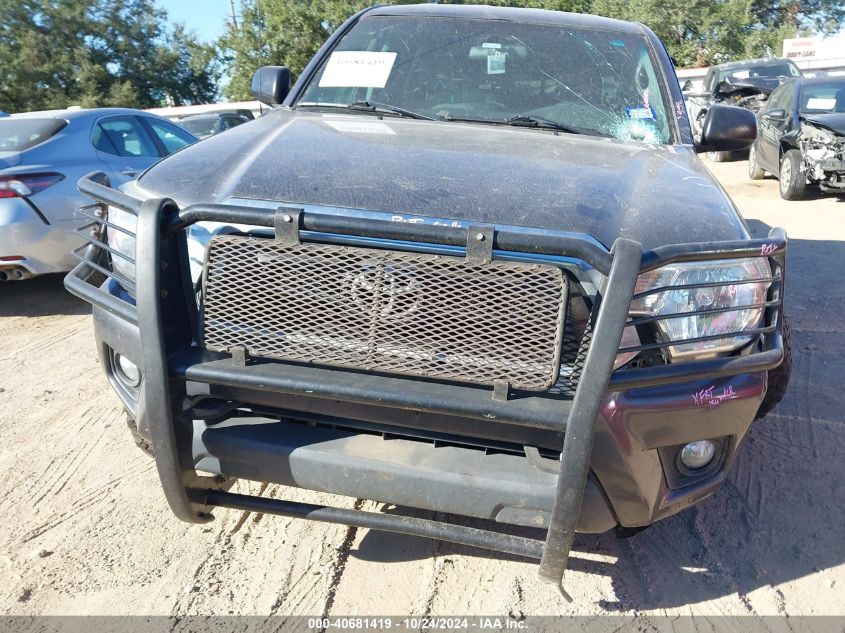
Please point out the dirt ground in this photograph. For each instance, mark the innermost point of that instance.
(84, 528)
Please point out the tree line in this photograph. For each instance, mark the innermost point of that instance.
(56, 53)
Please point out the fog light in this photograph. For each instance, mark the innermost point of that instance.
(128, 371)
(698, 454)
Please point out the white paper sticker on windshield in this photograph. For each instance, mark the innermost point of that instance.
(357, 69)
(496, 63)
(817, 103)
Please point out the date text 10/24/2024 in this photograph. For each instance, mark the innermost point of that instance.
(414, 623)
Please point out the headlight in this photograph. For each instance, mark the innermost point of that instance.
(122, 242)
(725, 293)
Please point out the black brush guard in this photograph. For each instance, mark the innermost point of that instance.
(165, 301)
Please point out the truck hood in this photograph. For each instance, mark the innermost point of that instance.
(656, 194)
(763, 85)
(835, 122)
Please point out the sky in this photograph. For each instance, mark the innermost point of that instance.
(205, 17)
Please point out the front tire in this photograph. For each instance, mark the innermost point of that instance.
(754, 170)
(778, 379)
(793, 184)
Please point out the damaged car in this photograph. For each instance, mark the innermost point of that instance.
(746, 84)
(802, 137)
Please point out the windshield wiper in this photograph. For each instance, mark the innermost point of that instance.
(466, 119)
(375, 106)
(525, 120)
(531, 120)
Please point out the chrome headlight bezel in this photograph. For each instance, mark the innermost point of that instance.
(706, 293)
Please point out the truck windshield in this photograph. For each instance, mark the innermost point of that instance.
(823, 98)
(18, 134)
(577, 80)
(775, 69)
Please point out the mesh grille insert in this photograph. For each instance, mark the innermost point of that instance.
(409, 313)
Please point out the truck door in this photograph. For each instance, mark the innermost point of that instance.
(773, 122)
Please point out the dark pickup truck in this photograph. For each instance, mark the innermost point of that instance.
(470, 263)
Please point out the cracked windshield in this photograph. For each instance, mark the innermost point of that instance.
(575, 80)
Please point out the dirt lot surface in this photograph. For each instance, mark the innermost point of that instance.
(85, 529)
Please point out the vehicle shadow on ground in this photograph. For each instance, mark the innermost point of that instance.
(40, 296)
(778, 517)
(813, 192)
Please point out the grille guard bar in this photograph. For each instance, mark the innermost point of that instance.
(161, 245)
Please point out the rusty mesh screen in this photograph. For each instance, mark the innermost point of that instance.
(386, 311)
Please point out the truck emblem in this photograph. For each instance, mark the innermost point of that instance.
(394, 293)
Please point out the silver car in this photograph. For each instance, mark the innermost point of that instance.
(205, 125)
(44, 154)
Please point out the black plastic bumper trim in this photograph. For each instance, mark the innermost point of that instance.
(456, 479)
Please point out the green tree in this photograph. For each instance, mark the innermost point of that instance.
(824, 16)
(703, 32)
(280, 32)
(56, 53)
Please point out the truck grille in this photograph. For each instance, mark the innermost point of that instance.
(417, 314)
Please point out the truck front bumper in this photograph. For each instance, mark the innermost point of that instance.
(638, 417)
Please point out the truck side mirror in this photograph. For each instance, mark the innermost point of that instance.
(271, 84)
(727, 129)
(775, 115)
